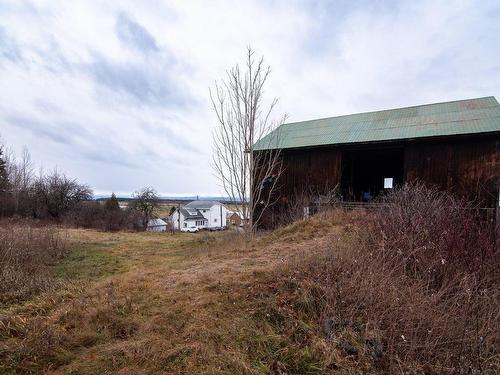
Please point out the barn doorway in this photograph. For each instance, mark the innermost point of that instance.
(368, 173)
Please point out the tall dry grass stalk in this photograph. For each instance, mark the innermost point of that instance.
(26, 251)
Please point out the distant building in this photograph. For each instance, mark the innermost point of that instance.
(236, 218)
(233, 218)
(200, 214)
(453, 145)
(157, 225)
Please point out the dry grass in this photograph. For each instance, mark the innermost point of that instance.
(413, 290)
(178, 304)
(26, 252)
(302, 300)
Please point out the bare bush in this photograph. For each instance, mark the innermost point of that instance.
(99, 216)
(306, 203)
(54, 194)
(26, 252)
(424, 229)
(412, 289)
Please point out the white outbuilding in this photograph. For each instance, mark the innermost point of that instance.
(157, 225)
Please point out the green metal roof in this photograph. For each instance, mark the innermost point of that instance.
(472, 116)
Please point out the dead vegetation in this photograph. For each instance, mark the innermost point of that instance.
(26, 252)
(338, 293)
(413, 290)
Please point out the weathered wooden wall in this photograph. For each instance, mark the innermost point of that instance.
(310, 169)
(468, 166)
(465, 165)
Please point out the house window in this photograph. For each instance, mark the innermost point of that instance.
(199, 222)
(185, 225)
(388, 182)
(215, 220)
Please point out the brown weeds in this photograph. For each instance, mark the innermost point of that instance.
(26, 252)
(413, 290)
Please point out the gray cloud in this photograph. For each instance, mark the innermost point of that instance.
(41, 128)
(83, 144)
(8, 47)
(110, 157)
(46, 106)
(134, 35)
(176, 140)
(143, 83)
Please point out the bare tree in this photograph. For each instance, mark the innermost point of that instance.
(4, 183)
(55, 194)
(21, 179)
(145, 201)
(4, 180)
(247, 173)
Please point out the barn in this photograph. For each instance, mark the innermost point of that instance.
(453, 145)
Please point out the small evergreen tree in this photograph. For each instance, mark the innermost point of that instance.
(112, 203)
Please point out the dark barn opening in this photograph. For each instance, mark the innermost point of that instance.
(367, 173)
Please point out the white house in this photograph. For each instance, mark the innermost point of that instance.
(200, 214)
(157, 225)
(187, 218)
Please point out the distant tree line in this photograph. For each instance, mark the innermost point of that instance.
(53, 196)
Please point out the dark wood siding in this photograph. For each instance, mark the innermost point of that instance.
(468, 167)
(311, 169)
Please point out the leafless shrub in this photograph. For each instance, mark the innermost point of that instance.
(418, 280)
(425, 229)
(306, 203)
(55, 194)
(25, 254)
(99, 216)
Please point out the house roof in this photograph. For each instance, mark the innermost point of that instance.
(201, 204)
(156, 223)
(471, 116)
(191, 214)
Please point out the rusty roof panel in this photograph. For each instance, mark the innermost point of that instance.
(471, 116)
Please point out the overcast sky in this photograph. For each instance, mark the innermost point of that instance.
(116, 93)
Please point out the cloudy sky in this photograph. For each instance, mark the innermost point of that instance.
(116, 93)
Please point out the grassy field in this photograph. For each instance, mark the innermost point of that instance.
(308, 298)
(151, 303)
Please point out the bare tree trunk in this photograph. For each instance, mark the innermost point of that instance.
(243, 123)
